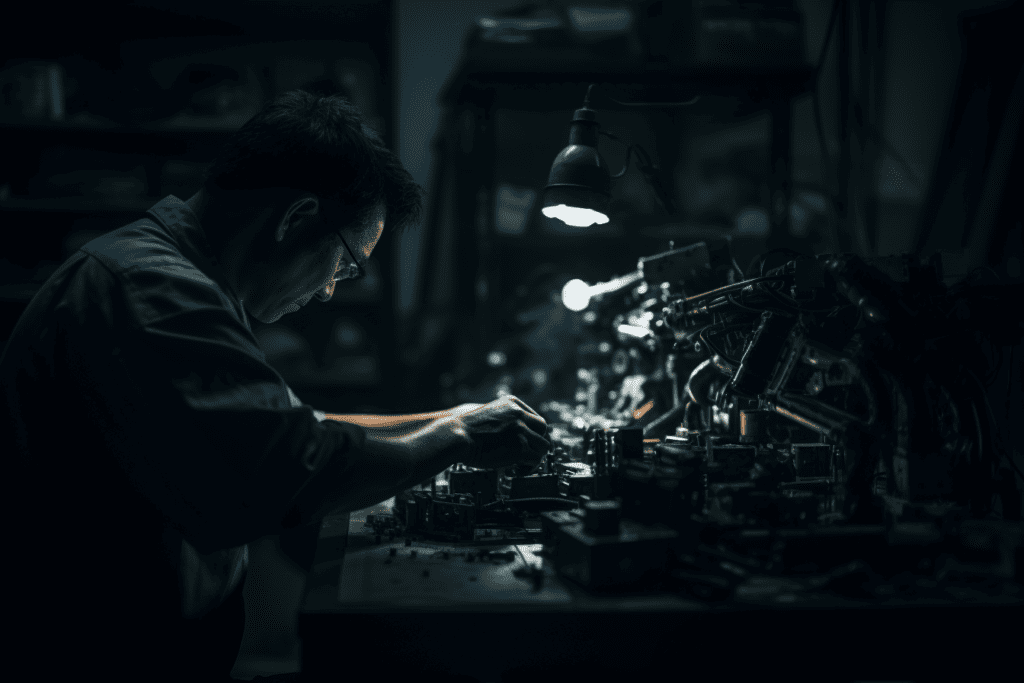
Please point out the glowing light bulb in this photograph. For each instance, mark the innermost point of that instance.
(576, 295)
(634, 330)
(575, 216)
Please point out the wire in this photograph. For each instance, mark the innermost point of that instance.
(788, 301)
(764, 258)
(728, 288)
(792, 305)
(625, 164)
(744, 307)
(995, 423)
(715, 350)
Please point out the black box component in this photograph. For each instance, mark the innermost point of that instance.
(482, 484)
(601, 517)
(812, 460)
(664, 493)
(551, 520)
(534, 486)
(631, 443)
(755, 425)
(632, 554)
(730, 462)
(452, 517)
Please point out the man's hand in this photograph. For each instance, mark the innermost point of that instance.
(500, 433)
(401, 451)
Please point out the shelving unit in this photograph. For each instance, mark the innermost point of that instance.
(51, 224)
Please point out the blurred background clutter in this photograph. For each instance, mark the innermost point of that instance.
(859, 127)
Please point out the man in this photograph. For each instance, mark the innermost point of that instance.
(145, 437)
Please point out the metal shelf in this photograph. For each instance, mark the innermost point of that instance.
(177, 126)
(78, 205)
(152, 139)
(19, 292)
(539, 80)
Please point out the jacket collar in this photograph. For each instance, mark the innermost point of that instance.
(182, 224)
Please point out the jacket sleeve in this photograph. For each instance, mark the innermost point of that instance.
(208, 432)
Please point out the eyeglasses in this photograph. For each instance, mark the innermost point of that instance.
(354, 270)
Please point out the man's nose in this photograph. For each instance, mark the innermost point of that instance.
(324, 293)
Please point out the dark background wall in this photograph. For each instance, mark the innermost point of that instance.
(105, 109)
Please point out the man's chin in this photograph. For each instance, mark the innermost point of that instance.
(266, 317)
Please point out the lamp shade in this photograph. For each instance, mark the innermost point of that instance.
(578, 188)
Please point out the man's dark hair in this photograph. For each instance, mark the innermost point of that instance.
(322, 145)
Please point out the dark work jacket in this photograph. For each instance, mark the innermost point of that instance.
(145, 442)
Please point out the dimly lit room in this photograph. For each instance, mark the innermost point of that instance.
(494, 342)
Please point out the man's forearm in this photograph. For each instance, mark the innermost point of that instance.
(403, 422)
(395, 458)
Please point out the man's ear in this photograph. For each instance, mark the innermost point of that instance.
(305, 206)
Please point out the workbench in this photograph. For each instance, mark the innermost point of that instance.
(437, 610)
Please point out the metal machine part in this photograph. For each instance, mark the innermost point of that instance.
(836, 422)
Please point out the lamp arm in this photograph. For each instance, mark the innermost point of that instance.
(653, 175)
(629, 151)
(625, 164)
(650, 171)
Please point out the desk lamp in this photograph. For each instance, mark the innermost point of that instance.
(578, 189)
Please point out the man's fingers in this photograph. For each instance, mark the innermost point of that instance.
(534, 441)
(519, 402)
(536, 423)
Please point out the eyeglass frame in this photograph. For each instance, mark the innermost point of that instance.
(360, 271)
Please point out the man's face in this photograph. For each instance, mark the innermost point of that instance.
(306, 266)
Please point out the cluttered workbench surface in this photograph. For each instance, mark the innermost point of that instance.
(495, 608)
(359, 570)
(367, 572)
